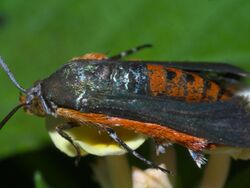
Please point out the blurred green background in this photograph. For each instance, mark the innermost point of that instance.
(37, 37)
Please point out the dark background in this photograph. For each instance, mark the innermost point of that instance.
(37, 37)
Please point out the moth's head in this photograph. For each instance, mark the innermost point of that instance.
(30, 99)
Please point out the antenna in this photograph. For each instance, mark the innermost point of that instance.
(11, 76)
(130, 51)
(10, 114)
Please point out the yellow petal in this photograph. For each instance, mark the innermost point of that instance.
(91, 141)
(61, 143)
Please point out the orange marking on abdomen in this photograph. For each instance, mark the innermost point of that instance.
(212, 92)
(183, 85)
(157, 79)
(175, 85)
(150, 129)
(195, 87)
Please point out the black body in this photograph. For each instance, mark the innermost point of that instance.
(121, 89)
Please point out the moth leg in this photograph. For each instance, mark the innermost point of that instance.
(198, 157)
(129, 52)
(161, 146)
(112, 134)
(45, 106)
(60, 129)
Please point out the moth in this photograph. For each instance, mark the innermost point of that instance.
(195, 104)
